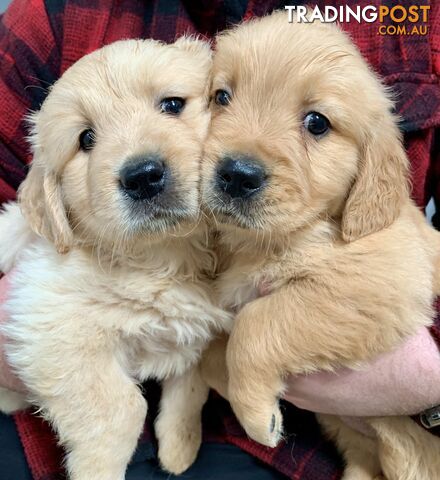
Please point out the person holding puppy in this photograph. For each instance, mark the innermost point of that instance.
(41, 40)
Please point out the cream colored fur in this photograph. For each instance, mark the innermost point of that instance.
(105, 296)
(345, 260)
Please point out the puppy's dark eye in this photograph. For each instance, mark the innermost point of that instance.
(87, 139)
(172, 105)
(316, 123)
(222, 97)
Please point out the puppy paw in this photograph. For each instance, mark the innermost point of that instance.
(178, 446)
(263, 427)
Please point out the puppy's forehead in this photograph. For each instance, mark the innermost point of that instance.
(137, 68)
(275, 51)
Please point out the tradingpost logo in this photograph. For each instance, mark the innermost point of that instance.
(395, 20)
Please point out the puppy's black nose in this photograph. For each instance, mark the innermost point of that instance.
(240, 177)
(143, 179)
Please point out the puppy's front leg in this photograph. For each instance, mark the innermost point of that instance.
(255, 369)
(99, 413)
(179, 424)
(406, 450)
(213, 365)
(360, 452)
(302, 327)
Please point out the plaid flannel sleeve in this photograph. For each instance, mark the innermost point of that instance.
(29, 65)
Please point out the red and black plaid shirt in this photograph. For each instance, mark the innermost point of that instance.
(39, 40)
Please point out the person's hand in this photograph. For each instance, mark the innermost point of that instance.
(7, 378)
(403, 382)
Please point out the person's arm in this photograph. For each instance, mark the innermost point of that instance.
(403, 382)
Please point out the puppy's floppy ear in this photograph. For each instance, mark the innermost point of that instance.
(381, 185)
(41, 202)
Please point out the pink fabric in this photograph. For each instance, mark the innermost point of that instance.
(7, 379)
(403, 382)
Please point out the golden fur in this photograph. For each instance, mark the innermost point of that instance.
(330, 263)
(111, 292)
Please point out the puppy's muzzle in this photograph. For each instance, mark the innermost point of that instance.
(240, 176)
(142, 178)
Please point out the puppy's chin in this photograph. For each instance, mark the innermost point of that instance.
(162, 222)
(234, 214)
(239, 221)
(165, 214)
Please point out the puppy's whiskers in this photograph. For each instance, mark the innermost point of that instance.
(212, 215)
(80, 223)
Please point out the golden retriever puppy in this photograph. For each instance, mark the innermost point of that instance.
(114, 289)
(326, 260)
